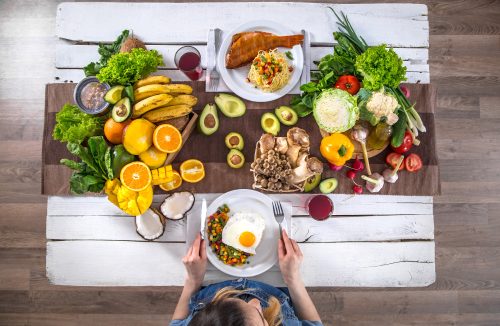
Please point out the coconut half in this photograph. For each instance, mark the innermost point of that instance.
(176, 205)
(150, 225)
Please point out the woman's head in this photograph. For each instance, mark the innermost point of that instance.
(226, 309)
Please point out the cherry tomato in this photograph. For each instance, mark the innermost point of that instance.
(348, 83)
(413, 162)
(405, 145)
(392, 159)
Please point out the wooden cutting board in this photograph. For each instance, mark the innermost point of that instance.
(212, 151)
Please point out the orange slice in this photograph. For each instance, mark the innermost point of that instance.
(192, 171)
(136, 176)
(174, 184)
(167, 138)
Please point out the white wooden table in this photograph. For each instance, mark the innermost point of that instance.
(373, 241)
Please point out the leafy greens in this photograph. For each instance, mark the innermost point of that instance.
(129, 67)
(95, 167)
(380, 67)
(106, 51)
(73, 125)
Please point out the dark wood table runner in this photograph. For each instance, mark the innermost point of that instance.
(212, 151)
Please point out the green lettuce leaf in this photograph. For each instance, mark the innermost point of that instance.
(74, 126)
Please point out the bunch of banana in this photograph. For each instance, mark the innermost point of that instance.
(158, 101)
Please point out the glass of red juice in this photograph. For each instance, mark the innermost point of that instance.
(188, 60)
(320, 207)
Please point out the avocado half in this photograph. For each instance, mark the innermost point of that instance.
(312, 182)
(270, 123)
(286, 115)
(208, 123)
(234, 140)
(235, 159)
(122, 110)
(230, 105)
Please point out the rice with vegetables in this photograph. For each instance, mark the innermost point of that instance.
(227, 254)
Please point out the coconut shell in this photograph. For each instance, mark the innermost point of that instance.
(185, 212)
(132, 43)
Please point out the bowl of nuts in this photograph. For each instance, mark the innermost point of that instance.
(283, 164)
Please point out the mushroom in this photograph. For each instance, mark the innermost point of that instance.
(306, 167)
(374, 183)
(281, 145)
(298, 136)
(391, 176)
(315, 165)
(359, 133)
(266, 143)
(293, 154)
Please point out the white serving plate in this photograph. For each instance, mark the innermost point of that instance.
(236, 79)
(267, 251)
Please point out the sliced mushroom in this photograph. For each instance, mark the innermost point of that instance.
(315, 165)
(293, 154)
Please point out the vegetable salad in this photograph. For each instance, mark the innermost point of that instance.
(227, 254)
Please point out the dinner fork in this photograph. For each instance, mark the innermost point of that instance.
(278, 215)
(214, 74)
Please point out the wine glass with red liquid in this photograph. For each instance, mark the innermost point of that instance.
(320, 207)
(188, 60)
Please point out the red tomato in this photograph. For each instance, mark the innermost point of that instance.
(348, 83)
(405, 145)
(392, 159)
(413, 162)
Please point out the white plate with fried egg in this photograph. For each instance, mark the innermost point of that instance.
(250, 213)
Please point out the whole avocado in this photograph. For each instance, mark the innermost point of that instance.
(120, 158)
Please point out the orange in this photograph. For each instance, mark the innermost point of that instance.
(136, 176)
(192, 171)
(153, 157)
(114, 130)
(138, 136)
(167, 138)
(174, 184)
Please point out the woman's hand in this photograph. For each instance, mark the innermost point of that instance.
(195, 263)
(290, 258)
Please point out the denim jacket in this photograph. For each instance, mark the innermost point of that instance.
(255, 289)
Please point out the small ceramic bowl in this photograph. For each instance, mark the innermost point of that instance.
(89, 96)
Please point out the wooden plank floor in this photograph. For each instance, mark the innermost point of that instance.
(464, 63)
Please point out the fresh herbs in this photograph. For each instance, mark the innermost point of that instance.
(73, 125)
(95, 167)
(289, 55)
(106, 51)
(129, 67)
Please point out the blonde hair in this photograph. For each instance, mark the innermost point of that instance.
(272, 314)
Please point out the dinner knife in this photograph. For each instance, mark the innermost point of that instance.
(211, 57)
(203, 217)
(306, 74)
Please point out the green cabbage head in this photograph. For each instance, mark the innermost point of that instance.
(335, 110)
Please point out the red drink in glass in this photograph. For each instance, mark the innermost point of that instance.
(320, 207)
(188, 60)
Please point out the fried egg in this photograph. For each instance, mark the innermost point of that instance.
(243, 231)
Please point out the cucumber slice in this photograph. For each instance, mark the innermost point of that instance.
(114, 94)
(122, 110)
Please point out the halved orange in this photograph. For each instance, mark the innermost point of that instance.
(174, 184)
(136, 176)
(167, 138)
(192, 171)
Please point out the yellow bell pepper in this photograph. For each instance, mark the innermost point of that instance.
(337, 149)
(131, 202)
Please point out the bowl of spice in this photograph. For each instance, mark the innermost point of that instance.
(89, 96)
